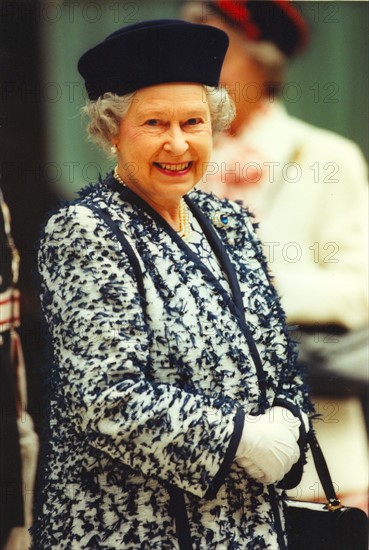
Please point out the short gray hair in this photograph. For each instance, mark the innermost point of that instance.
(106, 113)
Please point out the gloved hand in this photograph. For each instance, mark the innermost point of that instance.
(268, 446)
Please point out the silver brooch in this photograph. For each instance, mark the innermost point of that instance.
(220, 220)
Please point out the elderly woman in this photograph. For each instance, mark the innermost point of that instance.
(175, 403)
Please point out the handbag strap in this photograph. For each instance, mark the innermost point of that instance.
(323, 472)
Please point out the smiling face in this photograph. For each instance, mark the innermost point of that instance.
(164, 142)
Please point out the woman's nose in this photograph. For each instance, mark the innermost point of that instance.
(176, 141)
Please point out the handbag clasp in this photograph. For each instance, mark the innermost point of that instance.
(334, 504)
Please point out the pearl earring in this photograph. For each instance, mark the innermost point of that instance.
(113, 149)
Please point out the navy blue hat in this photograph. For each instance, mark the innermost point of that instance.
(154, 52)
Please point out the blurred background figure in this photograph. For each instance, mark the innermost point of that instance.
(18, 440)
(308, 187)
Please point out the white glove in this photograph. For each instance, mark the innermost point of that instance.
(253, 471)
(268, 446)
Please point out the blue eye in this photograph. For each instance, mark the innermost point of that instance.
(152, 122)
(193, 121)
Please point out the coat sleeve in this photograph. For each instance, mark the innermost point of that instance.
(291, 392)
(291, 388)
(101, 344)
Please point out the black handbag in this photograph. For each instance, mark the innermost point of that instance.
(330, 526)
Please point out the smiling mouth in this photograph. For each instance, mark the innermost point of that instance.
(174, 167)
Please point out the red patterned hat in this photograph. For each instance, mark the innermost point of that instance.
(276, 21)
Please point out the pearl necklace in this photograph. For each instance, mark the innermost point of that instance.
(185, 229)
(117, 176)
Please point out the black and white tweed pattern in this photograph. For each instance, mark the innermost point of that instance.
(144, 393)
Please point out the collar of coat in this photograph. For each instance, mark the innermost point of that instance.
(227, 240)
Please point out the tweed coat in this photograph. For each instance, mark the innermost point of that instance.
(154, 368)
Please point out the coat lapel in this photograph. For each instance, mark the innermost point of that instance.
(216, 244)
(221, 253)
(234, 302)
